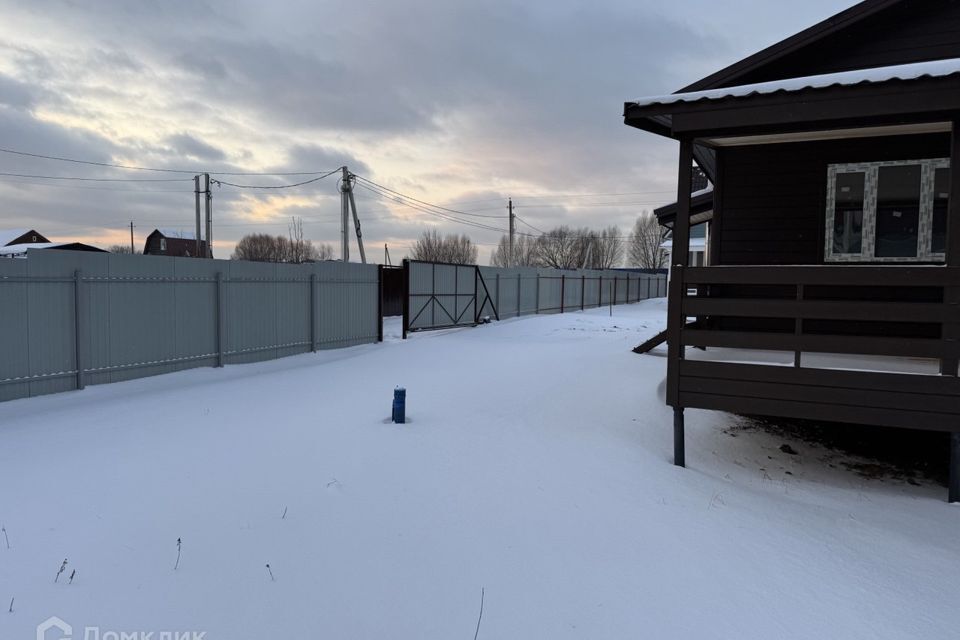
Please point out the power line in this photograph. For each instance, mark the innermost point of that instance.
(424, 209)
(529, 225)
(279, 186)
(45, 177)
(85, 187)
(428, 204)
(160, 170)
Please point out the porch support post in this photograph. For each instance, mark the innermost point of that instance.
(954, 482)
(951, 331)
(680, 257)
(679, 455)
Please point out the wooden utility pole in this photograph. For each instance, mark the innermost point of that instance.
(344, 216)
(196, 193)
(206, 182)
(131, 238)
(512, 262)
(356, 219)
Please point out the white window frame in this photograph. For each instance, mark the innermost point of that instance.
(868, 240)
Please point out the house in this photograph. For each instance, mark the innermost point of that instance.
(20, 236)
(14, 243)
(833, 286)
(172, 242)
(701, 213)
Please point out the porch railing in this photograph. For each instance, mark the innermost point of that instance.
(907, 312)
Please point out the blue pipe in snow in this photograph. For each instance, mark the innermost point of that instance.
(400, 405)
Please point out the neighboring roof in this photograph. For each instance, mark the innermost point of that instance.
(9, 235)
(696, 244)
(913, 71)
(21, 249)
(177, 233)
(701, 208)
(729, 75)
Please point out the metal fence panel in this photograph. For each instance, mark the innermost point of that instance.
(436, 289)
(145, 315)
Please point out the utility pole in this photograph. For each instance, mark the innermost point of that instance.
(206, 182)
(356, 222)
(196, 193)
(386, 255)
(344, 215)
(512, 260)
(131, 238)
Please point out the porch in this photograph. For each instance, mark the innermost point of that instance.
(788, 280)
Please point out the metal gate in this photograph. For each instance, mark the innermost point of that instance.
(443, 296)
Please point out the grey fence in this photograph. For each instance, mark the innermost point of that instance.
(69, 319)
(443, 295)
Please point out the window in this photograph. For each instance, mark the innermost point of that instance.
(887, 211)
(163, 244)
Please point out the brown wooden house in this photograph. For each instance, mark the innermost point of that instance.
(833, 290)
(171, 242)
(10, 237)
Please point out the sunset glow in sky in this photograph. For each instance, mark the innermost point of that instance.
(459, 104)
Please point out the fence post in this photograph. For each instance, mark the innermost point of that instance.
(649, 280)
(78, 324)
(538, 293)
(614, 289)
(497, 291)
(563, 290)
(313, 312)
(600, 292)
(583, 289)
(379, 303)
(519, 284)
(406, 297)
(221, 317)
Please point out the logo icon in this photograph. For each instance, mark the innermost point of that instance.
(53, 622)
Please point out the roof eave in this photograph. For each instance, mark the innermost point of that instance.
(728, 75)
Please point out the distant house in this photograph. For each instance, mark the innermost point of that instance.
(172, 242)
(20, 236)
(701, 213)
(14, 243)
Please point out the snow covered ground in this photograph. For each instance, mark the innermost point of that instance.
(536, 467)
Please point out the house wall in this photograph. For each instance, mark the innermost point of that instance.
(771, 205)
(914, 31)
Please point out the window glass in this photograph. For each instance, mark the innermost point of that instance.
(941, 195)
(898, 211)
(848, 213)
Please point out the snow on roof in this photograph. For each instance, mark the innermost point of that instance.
(702, 192)
(177, 233)
(914, 71)
(17, 249)
(696, 244)
(9, 235)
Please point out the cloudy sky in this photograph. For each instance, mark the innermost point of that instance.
(461, 104)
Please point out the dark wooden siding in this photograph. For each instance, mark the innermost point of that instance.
(912, 31)
(772, 200)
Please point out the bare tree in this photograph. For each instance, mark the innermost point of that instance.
(606, 249)
(256, 247)
(122, 248)
(453, 248)
(643, 247)
(293, 249)
(324, 251)
(524, 252)
(564, 247)
(299, 250)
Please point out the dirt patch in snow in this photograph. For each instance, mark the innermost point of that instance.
(906, 455)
